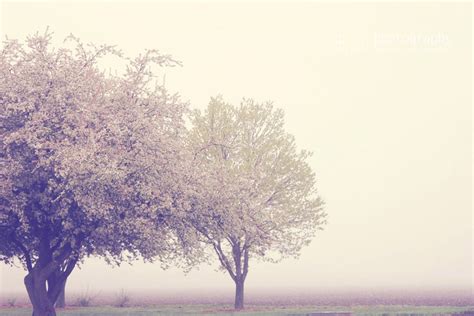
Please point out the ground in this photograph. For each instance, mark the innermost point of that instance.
(251, 310)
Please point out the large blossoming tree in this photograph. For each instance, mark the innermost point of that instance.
(257, 197)
(90, 162)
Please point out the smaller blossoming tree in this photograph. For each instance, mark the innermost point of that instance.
(257, 195)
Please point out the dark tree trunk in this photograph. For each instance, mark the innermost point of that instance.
(238, 271)
(35, 284)
(239, 294)
(44, 284)
(47, 277)
(61, 301)
(241, 270)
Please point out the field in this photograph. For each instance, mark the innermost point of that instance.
(253, 310)
(264, 302)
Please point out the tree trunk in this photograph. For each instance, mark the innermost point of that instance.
(35, 285)
(61, 301)
(239, 294)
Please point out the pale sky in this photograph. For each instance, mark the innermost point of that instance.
(381, 93)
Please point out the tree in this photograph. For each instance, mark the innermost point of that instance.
(257, 197)
(89, 162)
(61, 300)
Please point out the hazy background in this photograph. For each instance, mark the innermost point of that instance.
(380, 92)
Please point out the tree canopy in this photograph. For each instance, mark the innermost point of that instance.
(100, 163)
(257, 196)
(91, 162)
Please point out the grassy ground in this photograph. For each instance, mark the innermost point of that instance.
(251, 310)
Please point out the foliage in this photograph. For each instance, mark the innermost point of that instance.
(122, 299)
(11, 302)
(257, 194)
(85, 298)
(89, 161)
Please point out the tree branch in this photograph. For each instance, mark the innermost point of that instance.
(26, 254)
(246, 262)
(223, 259)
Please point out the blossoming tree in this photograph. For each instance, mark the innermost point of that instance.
(257, 197)
(89, 162)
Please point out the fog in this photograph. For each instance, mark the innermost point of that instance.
(381, 93)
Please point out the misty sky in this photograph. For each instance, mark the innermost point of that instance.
(381, 93)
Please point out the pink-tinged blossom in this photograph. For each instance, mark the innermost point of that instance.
(91, 163)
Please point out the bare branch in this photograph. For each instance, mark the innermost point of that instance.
(223, 259)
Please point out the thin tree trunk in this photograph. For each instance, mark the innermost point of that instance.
(239, 294)
(61, 301)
